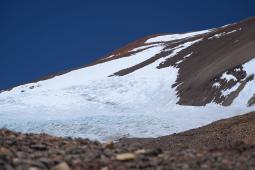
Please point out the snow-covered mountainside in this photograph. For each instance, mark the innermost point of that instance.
(155, 86)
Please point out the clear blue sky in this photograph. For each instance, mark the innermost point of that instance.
(40, 37)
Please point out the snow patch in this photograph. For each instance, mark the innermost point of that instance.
(184, 58)
(228, 77)
(181, 47)
(223, 34)
(228, 91)
(108, 57)
(143, 47)
(216, 84)
(249, 88)
(172, 37)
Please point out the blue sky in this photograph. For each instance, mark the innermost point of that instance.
(40, 37)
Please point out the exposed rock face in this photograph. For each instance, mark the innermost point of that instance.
(223, 50)
(251, 102)
(209, 59)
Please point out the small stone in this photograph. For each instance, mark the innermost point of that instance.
(200, 155)
(4, 151)
(61, 166)
(253, 154)
(140, 151)
(125, 156)
(185, 166)
(109, 145)
(161, 155)
(105, 168)
(226, 162)
(38, 164)
(153, 152)
(40, 147)
(17, 161)
(33, 168)
(204, 166)
(44, 161)
(5, 165)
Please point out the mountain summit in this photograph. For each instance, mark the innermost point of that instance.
(155, 86)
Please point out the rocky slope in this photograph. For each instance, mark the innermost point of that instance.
(226, 144)
(202, 62)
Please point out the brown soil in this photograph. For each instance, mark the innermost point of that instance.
(226, 144)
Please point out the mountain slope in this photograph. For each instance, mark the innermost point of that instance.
(155, 86)
(220, 134)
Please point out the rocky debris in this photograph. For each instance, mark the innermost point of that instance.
(227, 144)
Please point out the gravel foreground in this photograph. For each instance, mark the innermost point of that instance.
(226, 144)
